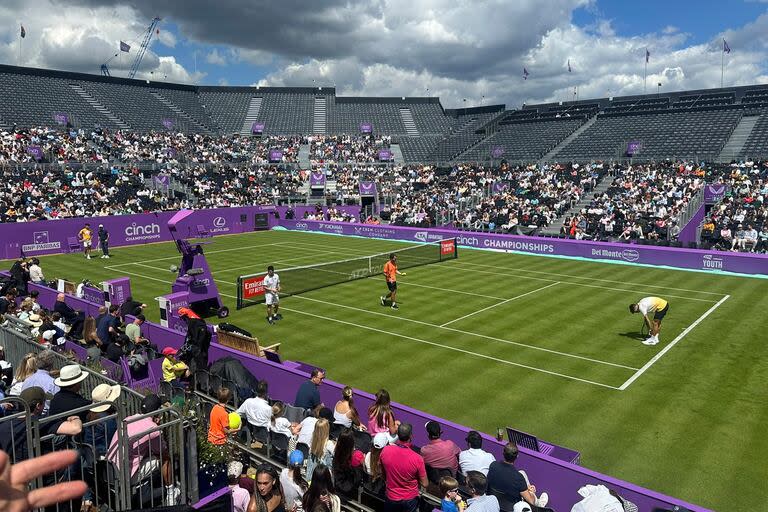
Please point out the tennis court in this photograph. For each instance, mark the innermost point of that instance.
(493, 339)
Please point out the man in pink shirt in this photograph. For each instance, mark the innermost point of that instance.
(404, 470)
(439, 453)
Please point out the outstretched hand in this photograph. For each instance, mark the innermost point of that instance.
(14, 480)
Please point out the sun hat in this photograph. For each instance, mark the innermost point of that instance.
(70, 375)
(35, 394)
(104, 393)
(35, 320)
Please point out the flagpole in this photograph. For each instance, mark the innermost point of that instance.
(18, 61)
(645, 72)
(722, 63)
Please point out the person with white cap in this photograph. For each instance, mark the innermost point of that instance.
(68, 398)
(240, 497)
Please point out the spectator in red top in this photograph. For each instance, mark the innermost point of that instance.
(439, 453)
(404, 470)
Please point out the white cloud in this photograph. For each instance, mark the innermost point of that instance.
(167, 38)
(215, 58)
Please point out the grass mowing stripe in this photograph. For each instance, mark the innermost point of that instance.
(215, 251)
(500, 303)
(467, 333)
(455, 349)
(674, 342)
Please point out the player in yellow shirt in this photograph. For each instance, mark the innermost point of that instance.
(85, 236)
(390, 274)
(648, 306)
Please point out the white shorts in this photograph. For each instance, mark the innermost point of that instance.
(87, 244)
(272, 299)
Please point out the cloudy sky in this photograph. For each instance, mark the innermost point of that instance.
(465, 52)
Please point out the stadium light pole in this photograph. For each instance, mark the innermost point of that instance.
(658, 89)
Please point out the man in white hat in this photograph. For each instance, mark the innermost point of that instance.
(69, 398)
(99, 436)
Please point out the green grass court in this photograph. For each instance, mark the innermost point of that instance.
(543, 344)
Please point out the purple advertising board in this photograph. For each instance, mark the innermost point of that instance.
(497, 152)
(168, 123)
(743, 263)
(500, 187)
(367, 188)
(317, 179)
(257, 128)
(385, 155)
(633, 147)
(61, 118)
(163, 180)
(36, 152)
(715, 192)
(366, 128)
(275, 155)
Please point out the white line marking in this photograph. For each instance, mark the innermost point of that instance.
(468, 352)
(666, 349)
(500, 303)
(467, 333)
(461, 292)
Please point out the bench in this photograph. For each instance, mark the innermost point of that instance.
(535, 444)
(244, 343)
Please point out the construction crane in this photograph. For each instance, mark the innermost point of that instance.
(140, 55)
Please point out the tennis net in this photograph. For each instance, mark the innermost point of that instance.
(295, 280)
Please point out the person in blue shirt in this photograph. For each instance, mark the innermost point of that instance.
(449, 490)
(308, 396)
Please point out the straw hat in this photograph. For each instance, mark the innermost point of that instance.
(104, 393)
(70, 375)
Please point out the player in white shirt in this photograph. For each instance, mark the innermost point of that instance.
(271, 285)
(648, 306)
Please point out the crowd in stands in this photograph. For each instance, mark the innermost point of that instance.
(345, 148)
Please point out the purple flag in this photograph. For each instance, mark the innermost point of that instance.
(633, 147)
(257, 128)
(500, 187)
(726, 48)
(525, 74)
(367, 188)
(163, 180)
(36, 152)
(61, 118)
(275, 155)
(647, 55)
(497, 151)
(569, 65)
(168, 123)
(385, 155)
(366, 128)
(317, 179)
(124, 47)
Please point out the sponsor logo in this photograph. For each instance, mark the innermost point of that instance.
(517, 245)
(301, 225)
(630, 255)
(142, 232)
(375, 232)
(422, 236)
(358, 274)
(333, 228)
(219, 222)
(447, 247)
(40, 242)
(253, 287)
(711, 262)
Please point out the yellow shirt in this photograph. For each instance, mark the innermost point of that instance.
(651, 305)
(172, 370)
(84, 234)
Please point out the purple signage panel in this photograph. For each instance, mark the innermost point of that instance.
(385, 155)
(715, 193)
(163, 180)
(744, 263)
(633, 147)
(367, 188)
(92, 294)
(36, 152)
(118, 290)
(366, 128)
(317, 179)
(275, 155)
(257, 128)
(497, 152)
(170, 152)
(500, 187)
(61, 118)
(168, 123)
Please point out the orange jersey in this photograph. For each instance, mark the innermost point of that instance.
(390, 271)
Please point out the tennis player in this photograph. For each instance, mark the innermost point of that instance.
(648, 306)
(271, 285)
(85, 236)
(390, 274)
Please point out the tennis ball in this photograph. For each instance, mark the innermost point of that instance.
(235, 422)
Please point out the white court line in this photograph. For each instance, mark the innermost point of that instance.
(462, 262)
(573, 283)
(468, 352)
(433, 343)
(666, 349)
(500, 303)
(467, 333)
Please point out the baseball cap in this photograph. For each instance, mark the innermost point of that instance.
(521, 506)
(187, 312)
(235, 468)
(170, 351)
(151, 403)
(380, 440)
(35, 394)
(296, 458)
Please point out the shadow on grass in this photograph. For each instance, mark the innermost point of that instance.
(634, 335)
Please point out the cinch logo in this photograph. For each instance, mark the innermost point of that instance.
(301, 225)
(630, 255)
(219, 222)
(142, 232)
(253, 287)
(422, 236)
(708, 261)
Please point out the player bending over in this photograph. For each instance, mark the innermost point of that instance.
(390, 274)
(271, 285)
(647, 306)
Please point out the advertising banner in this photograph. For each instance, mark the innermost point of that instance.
(628, 253)
(257, 128)
(367, 188)
(317, 179)
(633, 147)
(275, 156)
(500, 187)
(715, 193)
(61, 118)
(385, 155)
(168, 123)
(253, 287)
(366, 128)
